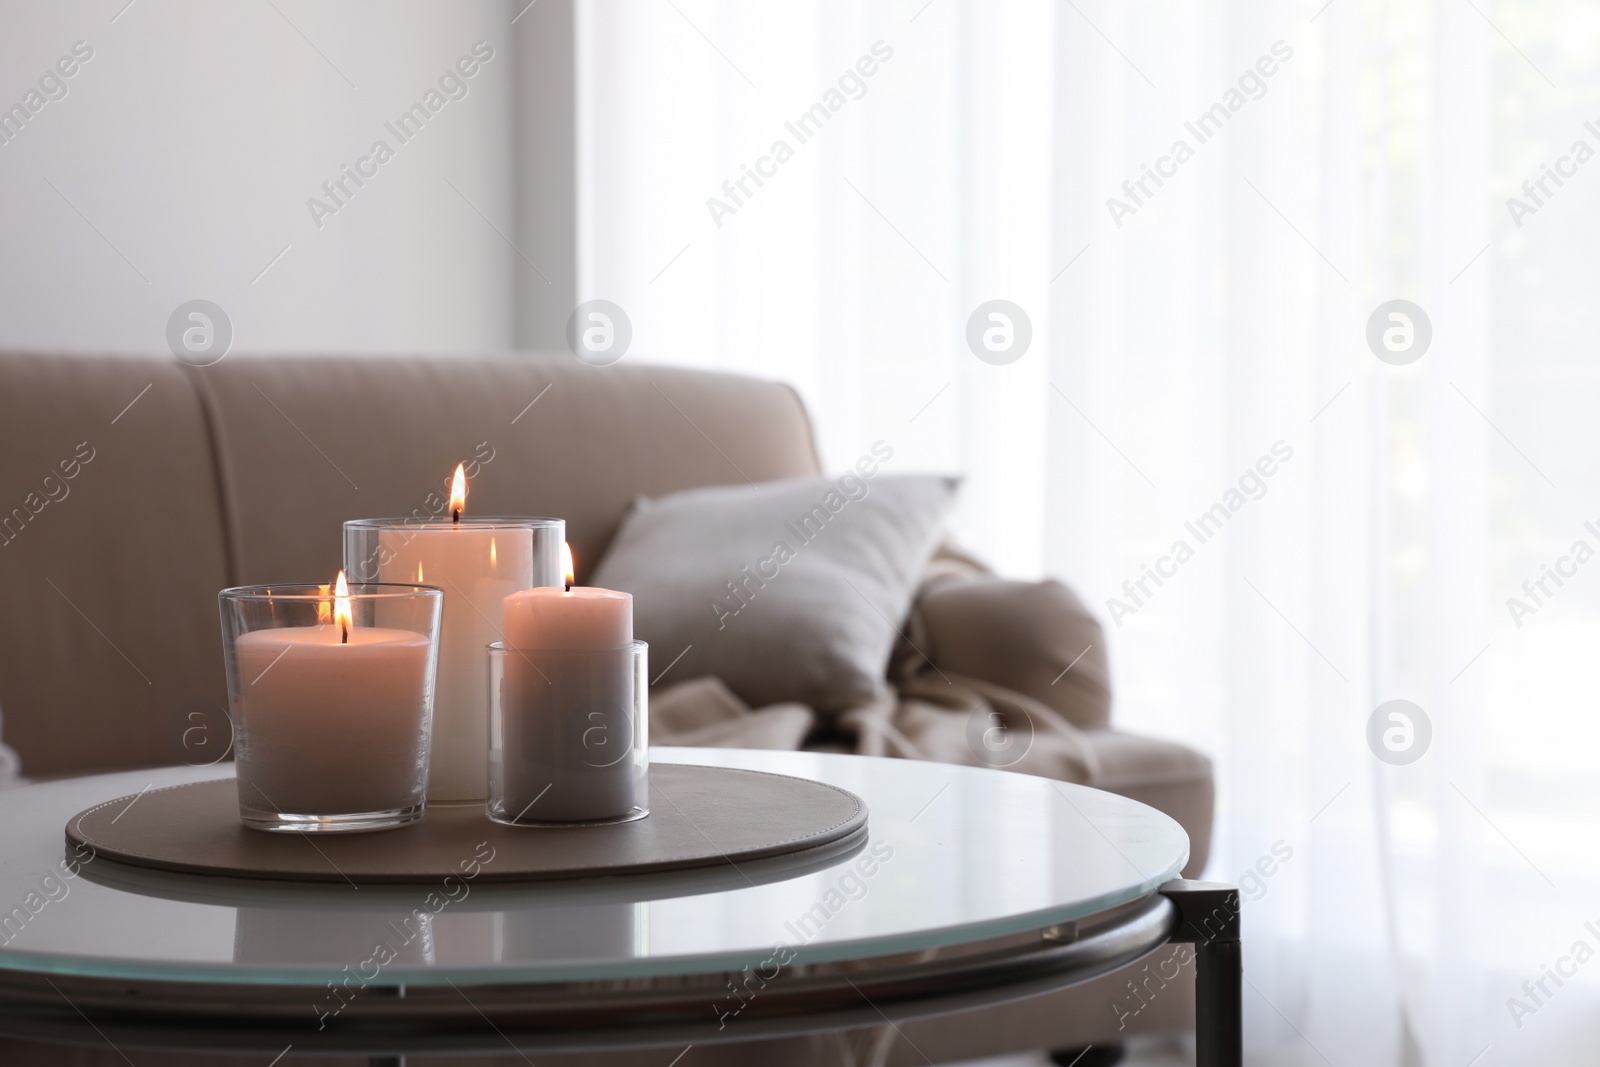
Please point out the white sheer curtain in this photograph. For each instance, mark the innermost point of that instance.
(1222, 324)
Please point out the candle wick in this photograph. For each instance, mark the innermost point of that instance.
(344, 633)
(568, 585)
(455, 516)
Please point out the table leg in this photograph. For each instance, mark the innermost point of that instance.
(1208, 918)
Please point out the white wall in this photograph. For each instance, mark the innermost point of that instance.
(193, 138)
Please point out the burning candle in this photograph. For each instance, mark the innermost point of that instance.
(568, 618)
(569, 740)
(331, 718)
(477, 564)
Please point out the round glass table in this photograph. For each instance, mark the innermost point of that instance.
(972, 886)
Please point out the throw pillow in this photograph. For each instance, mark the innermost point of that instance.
(788, 591)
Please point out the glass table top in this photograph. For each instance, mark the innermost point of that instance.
(954, 855)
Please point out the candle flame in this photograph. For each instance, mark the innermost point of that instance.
(494, 555)
(341, 607)
(458, 492)
(568, 571)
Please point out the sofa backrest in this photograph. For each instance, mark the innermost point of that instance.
(133, 489)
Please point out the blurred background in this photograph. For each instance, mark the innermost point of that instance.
(937, 155)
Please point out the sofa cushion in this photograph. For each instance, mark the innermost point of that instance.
(1169, 777)
(789, 591)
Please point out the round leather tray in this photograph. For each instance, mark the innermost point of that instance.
(699, 817)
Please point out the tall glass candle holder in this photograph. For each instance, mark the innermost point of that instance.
(569, 738)
(478, 562)
(332, 703)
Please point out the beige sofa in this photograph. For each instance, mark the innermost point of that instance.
(133, 488)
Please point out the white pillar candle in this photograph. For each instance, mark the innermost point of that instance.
(334, 718)
(477, 568)
(566, 735)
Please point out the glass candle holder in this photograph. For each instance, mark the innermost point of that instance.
(332, 703)
(569, 735)
(478, 562)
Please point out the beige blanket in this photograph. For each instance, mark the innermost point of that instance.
(985, 673)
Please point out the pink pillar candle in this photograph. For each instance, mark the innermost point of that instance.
(554, 619)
